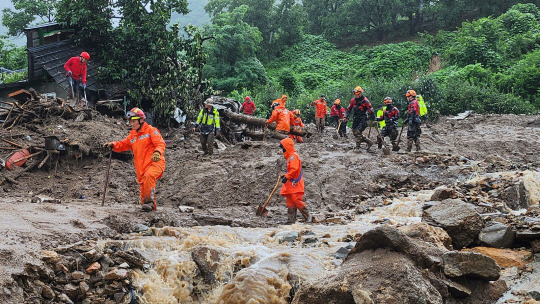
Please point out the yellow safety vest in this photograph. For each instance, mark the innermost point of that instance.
(380, 113)
(422, 105)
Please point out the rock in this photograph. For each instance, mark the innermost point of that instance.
(341, 253)
(287, 236)
(131, 259)
(116, 274)
(186, 209)
(63, 298)
(77, 276)
(442, 193)
(470, 265)
(71, 291)
(207, 260)
(528, 235)
(96, 279)
(124, 265)
(47, 292)
(515, 197)
(83, 289)
(51, 257)
(361, 296)
(456, 217)
(427, 233)
(534, 294)
(505, 258)
(139, 228)
(93, 268)
(44, 199)
(119, 296)
(93, 255)
(497, 235)
(457, 290)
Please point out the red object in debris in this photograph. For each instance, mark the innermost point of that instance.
(16, 155)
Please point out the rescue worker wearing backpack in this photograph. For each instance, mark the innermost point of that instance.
(337, 113)
(297, 122)
(320, 112)
(293, 183)
(388, 117)
(362, 109)
(209, 122)
(148, 147)
(414, 121)
(282, 117)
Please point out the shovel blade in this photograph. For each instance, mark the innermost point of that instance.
(261, 211)
(395, 148)
(386, 150)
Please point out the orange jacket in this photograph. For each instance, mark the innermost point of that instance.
(143, 143)
(320, 108)
(282, 117)
(281, 100)
(295, 178)
(297, 122)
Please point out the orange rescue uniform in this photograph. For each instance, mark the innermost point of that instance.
(144, 143)
(293, 189)
(297, 122)
(282, 117)
(320, 108)
(281, 100)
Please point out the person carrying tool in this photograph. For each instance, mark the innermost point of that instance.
(362, 108)
(337, 112)
(320, 112)
(248, 106)
(293, 183)
(209, 122)
(414, 121)
(390, 116)
(148, 147)
(76, 73)
(282, 117)
(297, 122)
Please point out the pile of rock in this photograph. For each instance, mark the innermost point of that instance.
(83, 273)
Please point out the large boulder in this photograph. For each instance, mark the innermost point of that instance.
(463, 264)
(207, 260)
(456, 217)
(429, 234)
(497, 235)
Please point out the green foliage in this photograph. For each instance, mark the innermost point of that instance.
(523, 78)
(26, 12)
(12, 57)
(232, 61)
(13, 77)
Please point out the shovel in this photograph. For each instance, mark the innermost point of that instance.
(261, 210)
(337, 130)
(399, 139)
(385, 149)
(106, 179)
(85, 100)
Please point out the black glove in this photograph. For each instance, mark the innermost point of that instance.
(284, 179)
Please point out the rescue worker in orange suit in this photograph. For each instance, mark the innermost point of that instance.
(248, 106)
(148, 147)
(293, 183)
(320, 112)
(337, 113)
(282, 117)
(414, 121)
(297, 122)
(76, 71)
(362, 109)
(390, 116)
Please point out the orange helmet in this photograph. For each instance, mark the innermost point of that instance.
(387, 100)
(85, 55)
(296, 112)
(410, 93)
(337, 102)
(358, 90)
(135, 113)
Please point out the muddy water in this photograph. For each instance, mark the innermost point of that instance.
(255, 265)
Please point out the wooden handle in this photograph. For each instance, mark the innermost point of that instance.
(275, 187)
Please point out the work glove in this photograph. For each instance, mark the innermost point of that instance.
(284, 179)
(156, 156)
(70, 73)
(108, 145)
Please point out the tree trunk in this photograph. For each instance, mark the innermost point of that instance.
(260, 122)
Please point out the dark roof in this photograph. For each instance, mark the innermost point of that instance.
(41, 26)
(53, 56)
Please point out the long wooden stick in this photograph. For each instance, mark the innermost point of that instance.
(27, 157)
(43, 161)
(7, 117)
(12, 143)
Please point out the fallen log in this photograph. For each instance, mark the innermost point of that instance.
(260, 136)
(261, 122)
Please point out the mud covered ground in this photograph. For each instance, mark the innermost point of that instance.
(225, 189)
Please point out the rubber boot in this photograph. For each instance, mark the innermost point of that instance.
(417, 144)
(291, 215)
(148, 206)
(305, 213)
(379, 143)
(395, 146)
(409, 144)
(369, 143)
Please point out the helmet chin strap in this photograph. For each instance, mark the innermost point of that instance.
(141, 122)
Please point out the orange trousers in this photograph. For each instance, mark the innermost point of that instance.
(147, 183)
(296, 138)
(294, 200)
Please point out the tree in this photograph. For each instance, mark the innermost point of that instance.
(232, 62)
(26, 11)
(160, 69)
